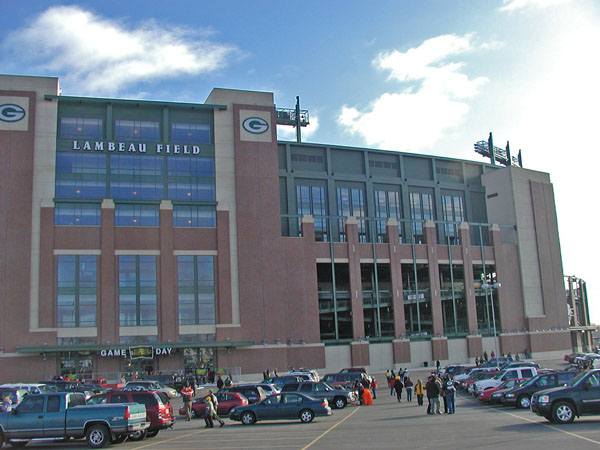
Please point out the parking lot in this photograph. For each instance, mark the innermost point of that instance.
(386, 424)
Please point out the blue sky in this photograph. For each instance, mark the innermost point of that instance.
(430, 76)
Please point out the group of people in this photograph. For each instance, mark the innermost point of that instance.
(401, 381)
(211, 404)
(437, 386)
(366, 388)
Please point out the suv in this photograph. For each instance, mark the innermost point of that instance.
(284, 379)
(337, 397)
(158, 413)
(507, 374)
(340, 380)
(521, 396)
(561, 404)
(252, 392)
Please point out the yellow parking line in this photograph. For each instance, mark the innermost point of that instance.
(169, 440)
(331, 428)
(552, 427)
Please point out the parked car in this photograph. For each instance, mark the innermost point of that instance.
(587, 360)
(15, 395)
(451, 369)
(150, 385)
(342, 380)
(496, 362)
(471, 373)
(159, 414)
(31, 388)
(312, 374)
(292, 405)
(469, 383)
(354, 370)
(252, 392)
(70, 418)
(496, 394)
(279, 381)
(579, 398)
(95, 388)
(227, 401)
(270, 389)
(507, 374)
(337, 397)
(521, 396)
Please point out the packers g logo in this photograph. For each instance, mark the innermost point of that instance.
(255, 125)
(11, 113)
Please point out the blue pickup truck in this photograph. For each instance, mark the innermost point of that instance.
(64, 415)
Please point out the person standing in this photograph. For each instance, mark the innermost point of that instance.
(437, 365)
(485, 356)
(433, 395)
(187, 393)
(450, 396)
(408, 385)
(419, 392)
(220, 383)
(374, 387)
(398, 388)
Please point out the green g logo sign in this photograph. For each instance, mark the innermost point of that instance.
(255, 125)
(11, 113)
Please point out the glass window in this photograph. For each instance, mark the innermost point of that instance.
(335, 305)
(32, 405)
(421, 209)
(387, 206)
(80, 175)
(191, 178)
(137, 130)
(194, 216)
(350, 202)
(134, 215)
(137, 290)
(453, 210)
(80, 128)
(53, 404)
(137, 177)
(196, 289)
(311, 200)
(192, 133)
(77, 214)
(76, 290)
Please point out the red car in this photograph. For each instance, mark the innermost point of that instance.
(159, 411)
(508, 384)
(227, 401)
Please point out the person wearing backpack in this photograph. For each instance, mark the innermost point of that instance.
(450, 396)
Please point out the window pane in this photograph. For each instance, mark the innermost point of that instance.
(195, 133)
(136, 130)
(79, 127)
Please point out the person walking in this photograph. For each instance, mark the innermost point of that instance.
(215, 404)
(398, 388)
(208, 412)
(408, 385)
(450, 396)
(433, 395)
(187, 392)
(374, 387)
(419, 391)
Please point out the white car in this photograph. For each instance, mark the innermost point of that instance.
(151, 386)
(473, 371)
(313, 375)
(508, 374)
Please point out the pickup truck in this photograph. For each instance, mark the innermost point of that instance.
(578, 398)
(64, 415)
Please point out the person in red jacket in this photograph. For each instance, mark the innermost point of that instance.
(188, 395)
(374, 387)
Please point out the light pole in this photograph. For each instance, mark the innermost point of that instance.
(491, 288)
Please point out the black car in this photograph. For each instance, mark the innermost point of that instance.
(521, 396)
(252, 392)
(561, 404)
(280, 381)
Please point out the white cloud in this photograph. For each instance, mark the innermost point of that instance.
(288, 133)
(514, 5)
(432, 102)
(94, 55)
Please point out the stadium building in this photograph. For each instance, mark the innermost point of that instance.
(150, 236)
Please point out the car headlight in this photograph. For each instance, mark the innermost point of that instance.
(510, 395)
(544, 399)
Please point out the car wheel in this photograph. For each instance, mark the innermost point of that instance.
(563, 412)
(138, 435)
(339, 402)
(248, 418)
(119, 438)
(307, 416)
(97, 436)
(523, 402)
(152, 433)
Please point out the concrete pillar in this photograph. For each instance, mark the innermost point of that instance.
(465, 246)
(434, 277)
(358, 323)
(396, 271)
(168, 324)
(108, 320)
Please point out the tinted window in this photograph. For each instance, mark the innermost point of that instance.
(97, 400)
(565, 377)
(527, 373)
(306, 388)
(290, 387)
(53, 404)
(32, 405)
(545, 381)
(292, 398)
(119, 398)
(145, 399)
(272, 400)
